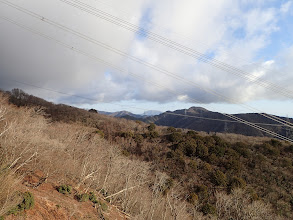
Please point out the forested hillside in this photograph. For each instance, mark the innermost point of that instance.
(149, 172)
(200, 119)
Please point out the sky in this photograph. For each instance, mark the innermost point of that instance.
(254, 37)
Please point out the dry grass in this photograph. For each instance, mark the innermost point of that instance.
(77, 155)
(238, 205)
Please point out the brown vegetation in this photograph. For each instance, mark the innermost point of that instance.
(149, 172)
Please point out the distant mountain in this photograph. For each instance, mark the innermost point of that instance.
(130, 115)
(201, 119)
(152, 113)
(121, 114)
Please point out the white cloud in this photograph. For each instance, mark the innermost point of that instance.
(286, 7)
(225, 29)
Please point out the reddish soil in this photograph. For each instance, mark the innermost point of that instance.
(52, 205)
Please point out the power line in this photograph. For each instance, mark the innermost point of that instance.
(132, 107)
(180, 50)
(185, 37)
(176, 46)
(122, 70)
(138, 60)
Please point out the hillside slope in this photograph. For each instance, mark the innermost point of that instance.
(195, 120)
(148, 172)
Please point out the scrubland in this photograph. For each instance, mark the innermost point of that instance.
(148, 172)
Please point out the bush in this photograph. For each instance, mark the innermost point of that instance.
(237, 182)
(275, 143)
(253, 195)
(101, 133)
(289, 149)
(83, 197)
(103, 206)
(202, 192)
(192, 134)
(193, 165)
(243, 152)
(126, 134)
(193, 198)
(167, 186)
(125, 153)
(171, 129)
(153, 134)
(270, 150)
(93, 197)
(202, 151)
(286, 162)
(65, 189)
(233, 164)
(217, 150)
(138, 138)
(188, 147)
(206, 167)
(209, 141)
(104, 192)
(27, 203)
(213, 159)
(219, 178)
(208, 209)
(175, 137)
(152, 127)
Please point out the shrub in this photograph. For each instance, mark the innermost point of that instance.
(253, 195)
(93, 111)
(237, 182)
(233, 164)
(93, 197)
(217, 150)
(275, 143)
(171, 154)
(167, 186)
(213, 159)
(171, 129)
(270, 150)
(125, 153)
(126, 134)
(175, 137)
(193, 198)
(209, 141)
(201, 150)
(243, 152)
(202, 192)
(286, 162)
(101, 133)
(152, 127)
(27, 203)
(219, 178)
(138, 138)
(192, 134)
(83, 197)
(206, 167)
(103, 206)
(208, 209)
(153, 134)
(188, 147)
(232, 153)
(65, 189)
(192, 164)
(289, 149)
(104, 192)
